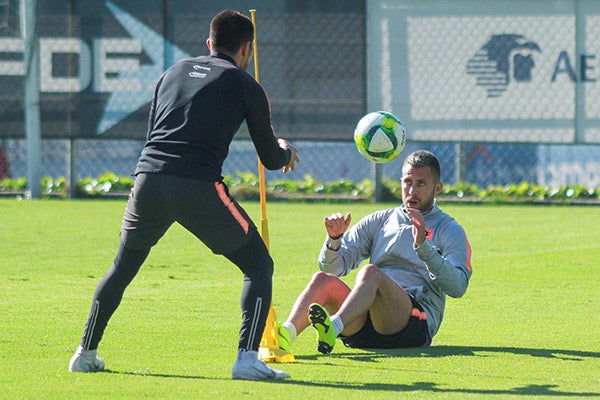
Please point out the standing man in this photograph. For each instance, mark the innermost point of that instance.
(198, 106)
(418, 255)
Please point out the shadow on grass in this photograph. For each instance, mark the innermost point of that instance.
(432, 387)
(529, 390)
(155, 375)
(467, 351)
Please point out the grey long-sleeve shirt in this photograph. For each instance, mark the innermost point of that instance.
(440, 266)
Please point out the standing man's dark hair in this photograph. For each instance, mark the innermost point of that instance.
(198, 106)
(229, 30)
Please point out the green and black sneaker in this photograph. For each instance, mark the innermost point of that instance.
(285, 340)
(319, 319)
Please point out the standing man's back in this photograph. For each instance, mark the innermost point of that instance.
(199, 105)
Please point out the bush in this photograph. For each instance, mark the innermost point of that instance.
(460, 190)
(106, 184)
(246, 186)
(13, 185)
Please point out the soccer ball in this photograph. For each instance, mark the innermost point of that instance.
(380, 136)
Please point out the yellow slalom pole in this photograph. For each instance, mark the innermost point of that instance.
(269, 344)
(264, 224)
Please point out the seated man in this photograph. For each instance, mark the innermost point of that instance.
(418, 255)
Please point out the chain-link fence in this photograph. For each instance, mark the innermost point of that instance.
(481, 164)
(99, 61)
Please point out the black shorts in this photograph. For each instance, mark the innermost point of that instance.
(203, 208)
(415, 334)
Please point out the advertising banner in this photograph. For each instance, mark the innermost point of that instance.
(99, 61)
(487, 71)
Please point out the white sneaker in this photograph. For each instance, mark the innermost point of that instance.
(86, 361)
(249, 367)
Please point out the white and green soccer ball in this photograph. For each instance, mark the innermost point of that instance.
(380, 136)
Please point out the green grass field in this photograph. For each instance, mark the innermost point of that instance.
(527, 327)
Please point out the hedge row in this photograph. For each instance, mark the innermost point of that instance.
(246, 186)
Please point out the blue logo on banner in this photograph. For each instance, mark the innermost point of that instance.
(502, 58)
(123, 103)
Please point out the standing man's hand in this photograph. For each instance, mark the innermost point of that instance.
(336, 224)
(294, 157)
(418, 230)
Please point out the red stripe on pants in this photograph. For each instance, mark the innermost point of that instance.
(227, 202)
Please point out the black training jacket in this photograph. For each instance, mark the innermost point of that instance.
(198, 106)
